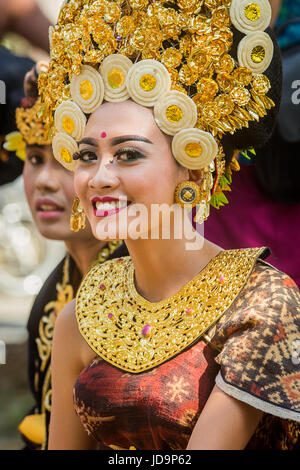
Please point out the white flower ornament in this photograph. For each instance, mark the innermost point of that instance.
(249, 16)
(87, 89)
(70, 119)
(146, 81)
(194, 149)
(64, 147)
(114, 70)
(175, 111)
(255, 51)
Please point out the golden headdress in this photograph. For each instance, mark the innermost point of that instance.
(173, 56)
(29, 118)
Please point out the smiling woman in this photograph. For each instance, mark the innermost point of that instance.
(156, 352)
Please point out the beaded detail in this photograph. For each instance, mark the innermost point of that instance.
(119, 338)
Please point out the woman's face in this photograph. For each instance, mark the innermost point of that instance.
(125, 161)
(49, 189)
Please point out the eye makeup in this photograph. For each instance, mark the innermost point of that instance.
(84, 154)
(87, 155)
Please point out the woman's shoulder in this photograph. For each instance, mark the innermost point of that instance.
(272, 291)
(68, 339)
(66, 319)
(258, 340)
(269, 299)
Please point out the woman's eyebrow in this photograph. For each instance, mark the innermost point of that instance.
(89, 141)
(35, 146)
(127, 138)
(115, 140)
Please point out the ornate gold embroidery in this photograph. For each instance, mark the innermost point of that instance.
(112, 316)
(65, 294)
(106, 251)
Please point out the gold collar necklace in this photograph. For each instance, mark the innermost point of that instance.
(136, 335)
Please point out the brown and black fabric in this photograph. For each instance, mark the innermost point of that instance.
(251, 352)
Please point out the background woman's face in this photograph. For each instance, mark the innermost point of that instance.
(49, 189)
(124, 156)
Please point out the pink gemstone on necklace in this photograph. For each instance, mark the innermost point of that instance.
(103, 135)
(110, 315)
(146, 331)
(222, 279)
(102, 286)
(188, 311)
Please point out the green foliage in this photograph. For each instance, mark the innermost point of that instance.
(245, 153)
(218, 200)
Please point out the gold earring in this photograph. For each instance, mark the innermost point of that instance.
(188, 194)
(77, 220)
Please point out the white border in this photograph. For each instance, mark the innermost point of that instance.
(256, 402)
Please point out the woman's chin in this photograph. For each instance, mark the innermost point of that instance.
(107, 230)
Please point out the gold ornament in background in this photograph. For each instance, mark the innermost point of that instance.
(77, 220)
(30, 124)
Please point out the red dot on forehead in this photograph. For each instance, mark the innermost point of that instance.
(103, 135)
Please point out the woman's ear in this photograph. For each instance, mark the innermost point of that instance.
(196, 176)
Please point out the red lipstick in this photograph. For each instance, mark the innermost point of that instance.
(106, 211)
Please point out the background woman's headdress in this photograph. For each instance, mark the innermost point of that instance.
(31, 129)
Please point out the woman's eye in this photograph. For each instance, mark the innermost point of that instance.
(35, 159)
(85, 156)
(128, 155)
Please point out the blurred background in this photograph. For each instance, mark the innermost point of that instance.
(26, 260)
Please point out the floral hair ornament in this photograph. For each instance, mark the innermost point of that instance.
(14, 142)
(173, 56)
(31, 130)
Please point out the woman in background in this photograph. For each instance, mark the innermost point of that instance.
(50, 194)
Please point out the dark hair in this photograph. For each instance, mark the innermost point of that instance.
(258, 133)
(13, 69)
(277, 167)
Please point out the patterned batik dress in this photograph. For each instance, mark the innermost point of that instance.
(147, 391)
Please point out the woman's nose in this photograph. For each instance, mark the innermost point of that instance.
(105, 175)
(47, 180)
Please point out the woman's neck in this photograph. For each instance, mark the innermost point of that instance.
(163, 267)
(84, 253)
